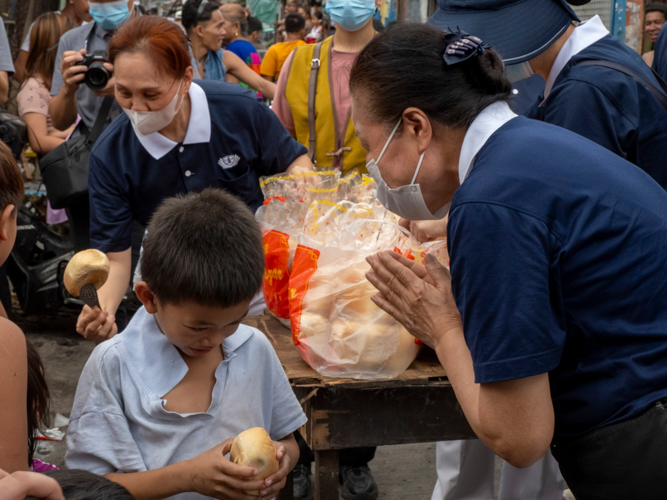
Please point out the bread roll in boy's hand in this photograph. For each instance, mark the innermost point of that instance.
(85, 273)
(254, 448)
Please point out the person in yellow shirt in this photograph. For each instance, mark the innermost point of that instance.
(295, 27)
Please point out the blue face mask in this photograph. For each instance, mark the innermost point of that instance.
(351, 15)
(109, 15)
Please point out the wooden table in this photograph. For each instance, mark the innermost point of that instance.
(417, 407)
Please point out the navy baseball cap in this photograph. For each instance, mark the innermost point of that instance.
(518, 30)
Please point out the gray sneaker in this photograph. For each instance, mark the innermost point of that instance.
(358, 483)
(303, 489)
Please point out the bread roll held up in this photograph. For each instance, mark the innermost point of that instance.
(85, 273)
(255, 448)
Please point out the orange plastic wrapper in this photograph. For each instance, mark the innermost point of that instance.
(438, 248)
(287, 200)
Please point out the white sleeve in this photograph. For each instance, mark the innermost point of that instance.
(6, 63)
(286, 412)
(25, 46)
(99, 438)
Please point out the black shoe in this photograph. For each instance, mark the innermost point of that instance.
(302, 487)
(358, 483)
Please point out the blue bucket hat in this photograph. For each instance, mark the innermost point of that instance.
(518, 30)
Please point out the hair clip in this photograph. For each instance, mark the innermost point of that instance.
(461, 46)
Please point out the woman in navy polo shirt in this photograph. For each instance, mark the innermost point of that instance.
(176, 136)
(553, 329)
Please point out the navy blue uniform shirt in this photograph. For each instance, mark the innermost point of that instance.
(524, 93)
(232, 140)
(559, 265)
(660, 55)
(609, 107)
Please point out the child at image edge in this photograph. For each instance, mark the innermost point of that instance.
(157, 406)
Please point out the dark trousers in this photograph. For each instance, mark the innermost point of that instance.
(78, 213)
(353, 457)
(622, 461)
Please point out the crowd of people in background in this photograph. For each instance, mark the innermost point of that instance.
(204, 101)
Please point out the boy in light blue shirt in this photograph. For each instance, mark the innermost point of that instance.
(157, 406)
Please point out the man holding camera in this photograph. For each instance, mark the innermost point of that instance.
(83, 84)
(70, 97)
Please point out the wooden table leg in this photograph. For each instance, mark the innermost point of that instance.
(326, 475)
(287, 493)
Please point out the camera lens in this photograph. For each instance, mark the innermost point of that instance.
(97, 76)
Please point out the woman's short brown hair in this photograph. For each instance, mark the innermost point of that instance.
(163, 41)
(234, 13)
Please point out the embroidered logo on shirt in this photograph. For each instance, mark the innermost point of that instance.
(229, 161)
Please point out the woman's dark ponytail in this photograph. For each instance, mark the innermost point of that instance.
(488, 70)
(404, 67)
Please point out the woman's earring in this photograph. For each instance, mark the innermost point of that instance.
(236, 34)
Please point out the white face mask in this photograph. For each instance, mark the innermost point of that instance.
(405, 201)
(147, 122)
(516, 72)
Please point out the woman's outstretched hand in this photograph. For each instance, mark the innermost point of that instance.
(418, 297)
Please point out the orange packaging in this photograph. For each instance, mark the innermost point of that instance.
(276, 272)
(305, 265)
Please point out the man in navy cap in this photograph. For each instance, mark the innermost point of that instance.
(595, 85)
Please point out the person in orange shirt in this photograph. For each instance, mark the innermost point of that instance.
(295, 26)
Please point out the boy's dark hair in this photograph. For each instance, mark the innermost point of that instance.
(254, 24)
(294, 23)
(203, 247)
(657, 7)
(11, 180)
(83, 485)
(39, 400)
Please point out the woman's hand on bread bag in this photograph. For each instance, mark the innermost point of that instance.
(212, 475)
(96, 325)
(276, 482)
(426, 230)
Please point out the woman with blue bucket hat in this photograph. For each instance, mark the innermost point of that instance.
(595, 85)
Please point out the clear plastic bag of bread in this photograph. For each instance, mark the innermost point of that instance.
(338, 330)
(356, 188)
(437, 248)
(281, 218)
(304, 187)
(326, 222)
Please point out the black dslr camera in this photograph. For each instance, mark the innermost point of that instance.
(97, 75)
